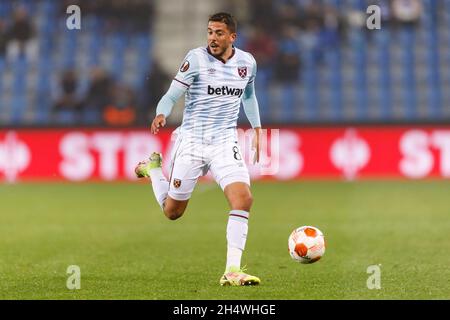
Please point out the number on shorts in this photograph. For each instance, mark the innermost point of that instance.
(236, 153)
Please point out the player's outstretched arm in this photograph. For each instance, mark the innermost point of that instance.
(180, 84)
(251, 109)
(165, 106)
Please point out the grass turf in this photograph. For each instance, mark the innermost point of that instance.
(127, 249)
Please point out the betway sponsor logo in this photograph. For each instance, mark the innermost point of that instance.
(225, 91)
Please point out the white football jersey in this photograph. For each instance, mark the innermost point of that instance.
(214, 92)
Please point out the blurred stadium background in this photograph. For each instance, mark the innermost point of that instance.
(350, 103)
(318, 63)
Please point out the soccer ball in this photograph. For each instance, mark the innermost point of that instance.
(306, 244)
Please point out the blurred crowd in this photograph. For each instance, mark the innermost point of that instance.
(117, 15)
(112, 102)
(17, 36)
(115, 103)
(281, 31)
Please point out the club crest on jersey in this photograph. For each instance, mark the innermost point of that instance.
(242, 72)
(177, 183)
(185, 66)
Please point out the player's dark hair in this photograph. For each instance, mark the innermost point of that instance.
(226, 18)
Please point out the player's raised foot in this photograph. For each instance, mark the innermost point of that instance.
(143, 168)
(237, 277)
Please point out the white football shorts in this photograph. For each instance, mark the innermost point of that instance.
(191, 159)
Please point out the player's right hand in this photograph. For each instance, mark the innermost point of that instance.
(158, 122)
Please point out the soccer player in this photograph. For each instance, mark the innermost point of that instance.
(215, 80)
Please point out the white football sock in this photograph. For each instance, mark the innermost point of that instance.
(237, 229)
(160, 185)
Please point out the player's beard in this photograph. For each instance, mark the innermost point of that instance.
(219, 51)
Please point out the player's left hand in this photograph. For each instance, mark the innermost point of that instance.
(256, 144)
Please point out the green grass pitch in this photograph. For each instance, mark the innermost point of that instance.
(127, 249)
